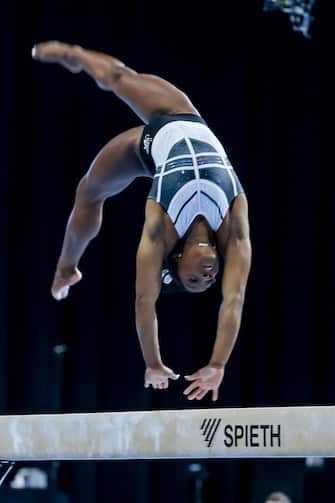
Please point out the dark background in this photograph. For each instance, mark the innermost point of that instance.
(258, 85)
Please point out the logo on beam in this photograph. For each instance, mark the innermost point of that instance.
(209, 428)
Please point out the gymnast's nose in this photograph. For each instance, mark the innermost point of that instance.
(208, 277)
(208, 271)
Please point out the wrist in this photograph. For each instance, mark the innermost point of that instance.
(216, 364)
(154, 363)
(77, 51)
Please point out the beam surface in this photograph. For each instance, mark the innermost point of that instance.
(192, 433)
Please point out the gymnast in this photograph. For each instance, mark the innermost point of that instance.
(196, 209)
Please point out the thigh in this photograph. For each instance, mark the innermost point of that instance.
(149, 95)
(118, 163)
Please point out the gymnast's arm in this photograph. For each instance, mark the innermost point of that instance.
(237, 255)
(237, 258)
(148, 283)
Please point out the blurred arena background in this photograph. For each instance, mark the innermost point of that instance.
(257, 73)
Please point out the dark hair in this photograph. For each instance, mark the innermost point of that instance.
(278, 496)
(171, 282)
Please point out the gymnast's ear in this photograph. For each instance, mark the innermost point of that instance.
(170, 282)
(166, 277)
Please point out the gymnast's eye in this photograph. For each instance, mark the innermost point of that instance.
(193, 280)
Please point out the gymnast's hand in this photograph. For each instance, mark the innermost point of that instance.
(206, 379)
(64, 278)
(158, 377)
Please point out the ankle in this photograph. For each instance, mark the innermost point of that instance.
(75, 51)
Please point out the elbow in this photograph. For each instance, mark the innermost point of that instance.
(144, 303)
(235, 301)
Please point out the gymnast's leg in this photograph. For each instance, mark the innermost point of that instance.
(147, 95)
(118, 163)
(113, 169)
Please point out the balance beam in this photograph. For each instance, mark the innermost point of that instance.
(160, 434)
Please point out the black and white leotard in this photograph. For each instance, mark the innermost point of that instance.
(192, 173)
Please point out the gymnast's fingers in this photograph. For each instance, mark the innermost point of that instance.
(191, 387)
(201, 394)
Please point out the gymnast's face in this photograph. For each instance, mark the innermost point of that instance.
(198, 266)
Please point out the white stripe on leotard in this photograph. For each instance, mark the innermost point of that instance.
(200, 204)
(214, 205)
(173, 132)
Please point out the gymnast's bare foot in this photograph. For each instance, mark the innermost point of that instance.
(63, 280)
(58, 52)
